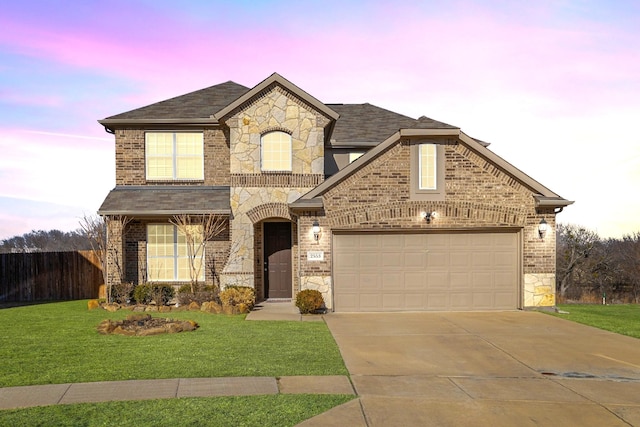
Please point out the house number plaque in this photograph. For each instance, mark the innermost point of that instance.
(315, 255)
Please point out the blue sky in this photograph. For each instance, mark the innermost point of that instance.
(552, 85)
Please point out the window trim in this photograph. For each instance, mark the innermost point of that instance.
(417, 193)
(174, 157)
(175, 257)
(262, 147)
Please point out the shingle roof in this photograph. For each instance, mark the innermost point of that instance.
(368, 123)
(166, 200)
(358, 123)
(194, 105)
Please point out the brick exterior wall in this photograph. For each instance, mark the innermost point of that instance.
(478, 196)
(130, 158)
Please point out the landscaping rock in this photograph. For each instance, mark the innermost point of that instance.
(93, 304)
(112, 307)
(211, 307)
(145, 325)
(194, 306)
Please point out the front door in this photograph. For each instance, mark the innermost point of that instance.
(277, 259)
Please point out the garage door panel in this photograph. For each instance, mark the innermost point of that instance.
(437, 259)
(482, 280)
(370, 302)
(443, 271)
(415, 280)
(414, 302)
(460, 301)
(392, 259)
(415, 260)
(460, 260)
(437, 279)
(460, 280)
(393, 281)
(369, 282)
(437, 301)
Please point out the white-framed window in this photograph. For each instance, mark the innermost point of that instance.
(428, 165)
(354, 155)
(275, 149)
(169, 254)
(174, 156)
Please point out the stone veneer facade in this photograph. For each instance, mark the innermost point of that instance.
(257, 196)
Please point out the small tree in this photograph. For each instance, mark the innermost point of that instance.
(95, 229)
(197, 230)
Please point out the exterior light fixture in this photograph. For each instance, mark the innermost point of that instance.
(542, 228)
(428, 216)
(316, 230)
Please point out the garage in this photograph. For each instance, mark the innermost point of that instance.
(447, 271)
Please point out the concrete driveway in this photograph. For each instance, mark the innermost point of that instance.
(497, 369)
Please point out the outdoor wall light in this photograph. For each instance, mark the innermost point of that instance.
(542, 228)
(428, 216)
(316, 230)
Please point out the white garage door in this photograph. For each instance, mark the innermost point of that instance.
(417, 272)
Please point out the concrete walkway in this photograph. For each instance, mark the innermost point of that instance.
(53, 394)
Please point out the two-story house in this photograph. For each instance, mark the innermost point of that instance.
(378, 211)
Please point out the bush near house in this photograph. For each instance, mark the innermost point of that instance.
(161, 293)
(238, 296)
(201, 295)
(309, 301)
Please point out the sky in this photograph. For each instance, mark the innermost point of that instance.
(554, 86)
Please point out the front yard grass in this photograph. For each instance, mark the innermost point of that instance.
(619, 318)
(57, 343)
(272, 410)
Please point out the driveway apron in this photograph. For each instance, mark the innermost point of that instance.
(499, 369)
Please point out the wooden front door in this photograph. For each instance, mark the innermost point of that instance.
(277, 259)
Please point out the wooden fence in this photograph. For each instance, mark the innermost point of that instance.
(46, 276)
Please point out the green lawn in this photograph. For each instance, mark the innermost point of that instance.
(620, 318)
(58, 343)
(272, 410)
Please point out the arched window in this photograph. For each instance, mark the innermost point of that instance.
(276, 151)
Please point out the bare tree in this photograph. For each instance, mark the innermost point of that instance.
(197, 230)
(574, 246)
(95, 228)
(631, 262)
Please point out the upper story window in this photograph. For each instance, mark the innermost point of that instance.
(427, 170)
(276, 151)
(428, 167)
(174, 156)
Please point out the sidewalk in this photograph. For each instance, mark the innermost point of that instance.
(53, 394)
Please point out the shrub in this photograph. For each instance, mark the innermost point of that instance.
(161, 293)
(309, 301)
(236, 295)
(122, 292)
(202, 294)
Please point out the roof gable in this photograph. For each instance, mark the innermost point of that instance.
(544, 196)
(275, 79)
